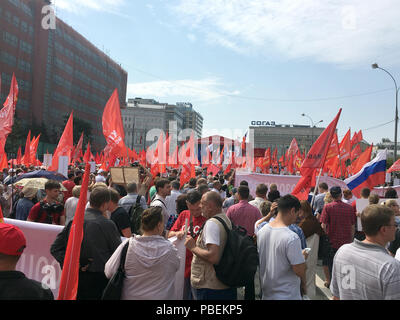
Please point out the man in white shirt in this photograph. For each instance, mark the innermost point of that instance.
(163, 189)
(101, 176)
(261, 196)
(171, 199)
(282, 264)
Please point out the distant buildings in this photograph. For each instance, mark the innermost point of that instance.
(57, 70)
(143, 115)
(280, 136)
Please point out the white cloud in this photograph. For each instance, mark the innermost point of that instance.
(190, 90)
(341, 32)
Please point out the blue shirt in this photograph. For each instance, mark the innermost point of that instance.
(24, 205)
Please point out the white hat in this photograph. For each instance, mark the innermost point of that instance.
(100, 171)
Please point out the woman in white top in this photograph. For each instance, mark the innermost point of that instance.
(71, 204)
(151, 262)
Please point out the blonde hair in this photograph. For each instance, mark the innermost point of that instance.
(328, 198)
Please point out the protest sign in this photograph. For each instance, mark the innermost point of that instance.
(36, 262)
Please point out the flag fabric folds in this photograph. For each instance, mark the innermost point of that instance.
(65, 144)
(315, 159)
(371, 175)
(70, 272)
(113, 128)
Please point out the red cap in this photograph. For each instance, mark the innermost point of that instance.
(12, 240)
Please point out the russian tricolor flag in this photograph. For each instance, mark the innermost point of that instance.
(371, 174)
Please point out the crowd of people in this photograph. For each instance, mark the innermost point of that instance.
(291, 236)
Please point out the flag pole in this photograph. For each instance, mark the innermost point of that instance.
(316, 186)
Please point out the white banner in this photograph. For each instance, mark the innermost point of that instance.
(38, 264)
(285, 183)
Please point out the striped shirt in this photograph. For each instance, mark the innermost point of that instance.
(363, 271)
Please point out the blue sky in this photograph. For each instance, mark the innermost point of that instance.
(244, 60)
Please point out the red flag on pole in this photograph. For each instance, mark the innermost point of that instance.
(113, 128)
(34, 146)
(70, 272)
(78, 150)
(19, 156)
(65, 144)
(315, 159)
(394, 167)
(8, 111)
(26, 160)
(364, 158)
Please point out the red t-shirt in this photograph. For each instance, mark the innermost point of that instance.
(179, 225)
(35, 212)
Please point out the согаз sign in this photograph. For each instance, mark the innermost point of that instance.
(263, 123)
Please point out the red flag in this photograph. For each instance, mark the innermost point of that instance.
(394, 167)
(1, 216)
(212, 168)
(355, 152)
(70, 272)
(345, 147)
(64, 145)
(19, 156)
(315, 159)
(267, 158)
(78, 150)
(87, 156)
(34, 146)
(364, 158)
(8, 111)
(113, 128)
(4, 162)
(275, 157)
(293, 148)
(26, 160)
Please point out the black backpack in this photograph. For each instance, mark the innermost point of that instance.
(239, 260)
(135, 216)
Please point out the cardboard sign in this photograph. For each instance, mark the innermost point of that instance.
(124, 175)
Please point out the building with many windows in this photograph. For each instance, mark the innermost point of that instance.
(58, 70)
(280, 136)
(141, 116)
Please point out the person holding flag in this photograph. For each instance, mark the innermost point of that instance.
(85, 245)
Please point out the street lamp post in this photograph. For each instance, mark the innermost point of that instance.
(312, 127)
(375, 66)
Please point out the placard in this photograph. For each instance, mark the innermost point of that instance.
(63, 162)
(47, 158)
(124, 175)
(92, 166)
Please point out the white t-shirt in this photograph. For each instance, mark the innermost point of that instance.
(397, 257)
(211, 233)
(279, 249)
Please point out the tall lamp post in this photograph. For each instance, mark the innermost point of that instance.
(312, 127)
(375, 66)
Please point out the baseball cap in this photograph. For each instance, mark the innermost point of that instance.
(12, 240)
(335, 191)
